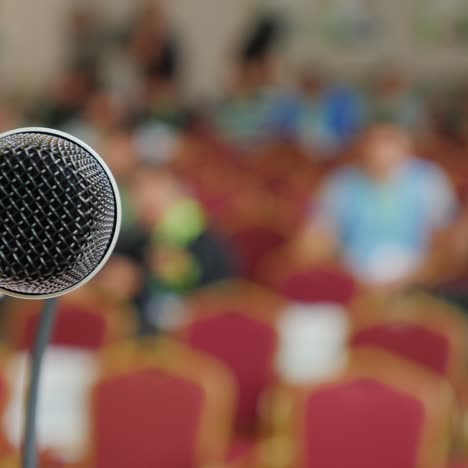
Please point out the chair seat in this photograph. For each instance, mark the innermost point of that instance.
(252, 244)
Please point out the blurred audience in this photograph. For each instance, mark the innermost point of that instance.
(330, 115)
(154, 46)
(311, 128)
(85, 36)
(387, 214)
(383, 165)
(182, 251)
(252, 109)
(119, 150)
(395, 101)
(387, 211)
(158, 57)
(101, 114)
(67, 96)
(121, 90)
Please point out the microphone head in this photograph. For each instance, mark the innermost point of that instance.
(59, 213)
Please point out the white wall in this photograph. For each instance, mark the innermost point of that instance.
(31, 37)
(30, 48)
(31, 33)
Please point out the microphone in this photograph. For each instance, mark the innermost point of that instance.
(59, 212)
(60, 218)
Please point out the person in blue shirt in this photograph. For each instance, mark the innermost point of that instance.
(385, 213)
(255, 107)
(325, 116)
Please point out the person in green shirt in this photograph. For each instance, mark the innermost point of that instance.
(182, 251)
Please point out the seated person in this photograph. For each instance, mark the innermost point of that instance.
(182, 252)
(252, 110)
(176, 228)
(387, 214)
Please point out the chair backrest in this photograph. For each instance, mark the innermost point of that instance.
(317, 284)
(160, 403)
(247, 346)
(409, 340)
(251, 244)
(147, 418)
(86, 319)
(381, 411)
(362, 424)
(443, 335)
(76, 326)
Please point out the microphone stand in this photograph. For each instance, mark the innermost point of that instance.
(46, 325)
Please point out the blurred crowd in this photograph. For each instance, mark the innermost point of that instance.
(358, 185)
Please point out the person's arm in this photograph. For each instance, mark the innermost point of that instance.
(318, 240)
(448, 251)
(448, 254)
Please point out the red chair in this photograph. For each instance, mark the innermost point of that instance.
(155, 418)
(409, 340)
(319, 285)
(315, 284)
(362, 424)
(382, 412)
(76, 326)
(85, 324)
(251, 244)
(160, 404)
(247, 345)
(419, 327)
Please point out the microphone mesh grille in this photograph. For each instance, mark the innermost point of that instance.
(57, 213)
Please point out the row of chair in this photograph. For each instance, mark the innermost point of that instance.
(401, 397)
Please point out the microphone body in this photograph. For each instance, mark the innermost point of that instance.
(60, 217)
